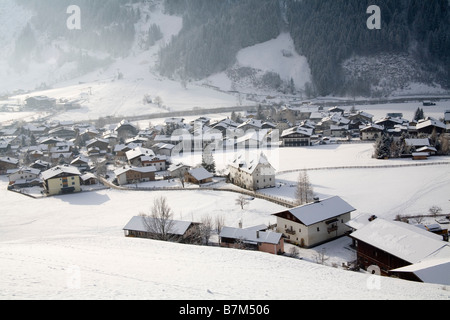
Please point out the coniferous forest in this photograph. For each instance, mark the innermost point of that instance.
(325, 31)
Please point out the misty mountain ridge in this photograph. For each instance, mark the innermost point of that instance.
(326, 43)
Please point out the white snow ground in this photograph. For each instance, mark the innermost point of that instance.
(73, 247)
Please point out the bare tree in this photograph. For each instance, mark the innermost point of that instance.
(205, 229)
(159, 101)
(160, 223)
(220, 222)
(321, 257)
(435, 210)
(242, 201)
(418, 219)
(304, 192)
(181, 177)
(294, 252)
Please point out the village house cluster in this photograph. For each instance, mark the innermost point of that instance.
(74, 155)
(66, 157)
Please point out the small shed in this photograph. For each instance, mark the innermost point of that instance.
(252, 238)
(89, 179)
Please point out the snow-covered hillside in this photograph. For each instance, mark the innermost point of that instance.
(277, 56)
(73, 247)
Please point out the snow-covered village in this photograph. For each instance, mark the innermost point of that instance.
(121, 182)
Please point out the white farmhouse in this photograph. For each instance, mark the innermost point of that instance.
(252, 175)
(315, 223)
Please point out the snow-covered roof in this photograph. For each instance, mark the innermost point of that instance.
(417, 142)
(300, 130)
(250, 235)
(137, 223)
(176, 166)
(251, 165)
(25, 170)
(360, 221)
(200, 174)
(125, 169)
(80, 159)
(400, 239)
(53, 172)
(372, 126)
(427, 148)
(138, 152)
(433, 269)
(161, 146)
(315, 212)
(154, 158)
(430, 122)
(88, 176)
(9, 160)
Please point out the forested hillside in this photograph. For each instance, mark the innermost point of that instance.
(327, 32)
(214, 31)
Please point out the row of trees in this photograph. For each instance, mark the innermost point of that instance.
(386, 147)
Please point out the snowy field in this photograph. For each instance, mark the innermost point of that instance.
(73, 247)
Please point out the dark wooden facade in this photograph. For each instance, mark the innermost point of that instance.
(368, 255)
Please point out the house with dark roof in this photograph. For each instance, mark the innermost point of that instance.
(315, 223)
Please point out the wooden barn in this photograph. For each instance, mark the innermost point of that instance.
(391, 245)
(178, 231)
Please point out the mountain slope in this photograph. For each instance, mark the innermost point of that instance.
(41, 51)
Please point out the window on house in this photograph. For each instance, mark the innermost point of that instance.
(318, 229)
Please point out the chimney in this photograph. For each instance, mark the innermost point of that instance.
(240, 224)
(257, 234)
(445, 237)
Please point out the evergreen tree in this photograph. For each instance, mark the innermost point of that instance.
(383, 147)
(208, 161)
(419, 115)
